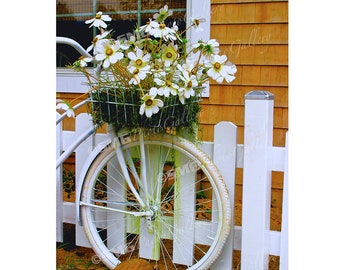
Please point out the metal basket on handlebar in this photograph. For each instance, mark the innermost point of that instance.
(120, 107)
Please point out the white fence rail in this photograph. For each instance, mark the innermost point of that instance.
(258, 158)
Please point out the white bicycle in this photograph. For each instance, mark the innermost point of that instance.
(155, 196)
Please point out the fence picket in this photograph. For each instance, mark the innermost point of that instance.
(83, 122)
(184, 225)
(116, 239)
(225, 137)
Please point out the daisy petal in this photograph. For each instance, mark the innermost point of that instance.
(141, 110)
(148, 112)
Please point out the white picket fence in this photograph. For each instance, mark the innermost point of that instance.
(258, 158)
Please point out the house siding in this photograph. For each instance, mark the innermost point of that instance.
(254, 36)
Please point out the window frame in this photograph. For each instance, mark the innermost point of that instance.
(70, 81)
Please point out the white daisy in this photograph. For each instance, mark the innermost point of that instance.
(150, 105)
(166, 87)
(108, 52)
(196, 23)
(164, 12)
(209, 48)
(82, 61)
(162, 31)
(149, 26)
(94, 41)
(220, 69)
(187, 89)
(191, 67)
(138, 60)
(190, 81)
(138, 74)
(99, 20)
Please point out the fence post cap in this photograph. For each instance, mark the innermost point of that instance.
(259, 95)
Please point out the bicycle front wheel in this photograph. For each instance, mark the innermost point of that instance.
(168, 204)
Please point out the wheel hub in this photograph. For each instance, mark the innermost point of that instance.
(154, 212)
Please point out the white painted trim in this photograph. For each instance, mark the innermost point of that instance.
(70, 81)
(199, 9)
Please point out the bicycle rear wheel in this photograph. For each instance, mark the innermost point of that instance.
(184, 220)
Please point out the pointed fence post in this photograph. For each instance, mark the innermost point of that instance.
(258, 134)
(225, 144)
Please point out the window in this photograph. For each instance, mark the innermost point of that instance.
(126, 15)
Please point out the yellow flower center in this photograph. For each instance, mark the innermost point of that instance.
(136, 71)
(156, 66)
(168, 55)
(148, 102)
(139, 62)
(98, 16)
(189, 84)
(162, 26)
(168, 83)
(109, 51)
(217, 65)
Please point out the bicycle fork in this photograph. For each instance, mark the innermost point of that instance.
(127, 161)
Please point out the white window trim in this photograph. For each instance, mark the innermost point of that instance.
(199, 9)
(69, 81)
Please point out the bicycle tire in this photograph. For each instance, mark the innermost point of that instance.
(177, 234)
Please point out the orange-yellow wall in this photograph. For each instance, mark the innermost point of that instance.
(254, 36)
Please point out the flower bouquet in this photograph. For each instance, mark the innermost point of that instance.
(153, 80)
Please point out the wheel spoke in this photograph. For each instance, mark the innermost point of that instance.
(136, 214)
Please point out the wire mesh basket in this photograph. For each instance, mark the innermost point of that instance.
(120, 107)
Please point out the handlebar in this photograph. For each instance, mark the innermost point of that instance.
(74, 44)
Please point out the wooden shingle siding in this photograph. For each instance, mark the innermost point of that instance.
(250, 34)
(234, 94)
(249, 12)
(256, 54)
(254, 36)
